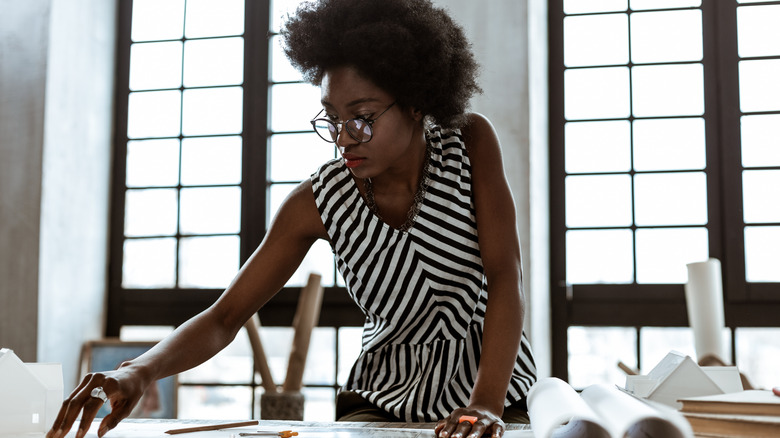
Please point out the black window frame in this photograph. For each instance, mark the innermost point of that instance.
(173, 306)
(663, 305)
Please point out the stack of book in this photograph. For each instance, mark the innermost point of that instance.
(752, 413)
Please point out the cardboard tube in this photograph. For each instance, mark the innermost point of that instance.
(252, 327)
(306, 316)
(704, 298)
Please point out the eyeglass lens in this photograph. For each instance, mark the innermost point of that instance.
(358, 129)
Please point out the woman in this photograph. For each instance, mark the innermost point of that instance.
(419, 215)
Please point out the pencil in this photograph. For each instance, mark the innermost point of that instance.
(211, 427)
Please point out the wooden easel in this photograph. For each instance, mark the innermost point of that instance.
(306, 317)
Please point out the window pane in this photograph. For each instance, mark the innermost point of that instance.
(153, 114)
(594, 353)
(761, 193)
(218, 61)
(157, 20)
(208, 262)
(149, 263)
(668, 90)
(759, 89)
(599, 256)
(212, 111)
(280, 10)
(762, 258)
(233, 364)
(323, 348)
(598, 201)
(761, 140)
(350, 341)
(277, 193)
(211, 160)
(598, 147)
(295, 157)
(214, 402)
(208, 18)
(211, 210)
(144, 332)
(669, 144)
(758, 353)
(663, 4)
(319, 404)
(150, 212)
(277, 342)
(596, 93)
(155, 65)
(293, 105)
(668, 36)
(281, 69)
(671, 199)
(580, 7)
(757, 30)
(595, 40)
(319, 259)
(663, 253)
(658, 341)
(152, 163)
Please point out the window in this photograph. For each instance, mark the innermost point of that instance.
(212, 132)
(664, 151)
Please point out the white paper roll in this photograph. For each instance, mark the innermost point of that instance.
(704, 297)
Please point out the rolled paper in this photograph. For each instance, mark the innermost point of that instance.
(704, 299)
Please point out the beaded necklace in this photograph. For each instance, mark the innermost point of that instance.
(419, 195)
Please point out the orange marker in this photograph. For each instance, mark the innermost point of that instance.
(282, 434)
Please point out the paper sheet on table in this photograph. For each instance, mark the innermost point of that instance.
(156, 429)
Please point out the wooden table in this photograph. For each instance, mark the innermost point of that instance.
(137, 428)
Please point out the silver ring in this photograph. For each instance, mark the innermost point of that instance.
(99, 393)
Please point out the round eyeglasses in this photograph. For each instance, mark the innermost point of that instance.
(360, 129)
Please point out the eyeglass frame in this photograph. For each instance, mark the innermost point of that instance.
(340, 125)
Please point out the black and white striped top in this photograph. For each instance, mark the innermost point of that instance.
(423, 291)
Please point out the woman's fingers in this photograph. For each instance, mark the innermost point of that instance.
(70, 409)
(120, 409)
(89, 412)
(470, 423)
(498, 429)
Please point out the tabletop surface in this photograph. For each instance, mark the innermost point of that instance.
(137, 428)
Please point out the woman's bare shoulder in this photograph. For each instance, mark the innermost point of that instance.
(299, 211)
(479, 135)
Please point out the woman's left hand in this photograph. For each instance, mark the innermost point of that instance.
(459, 425)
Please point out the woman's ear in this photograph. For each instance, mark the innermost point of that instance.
(417, 115)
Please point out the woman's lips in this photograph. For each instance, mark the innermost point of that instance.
(352, 161)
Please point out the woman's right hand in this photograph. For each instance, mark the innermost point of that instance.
(123, 387)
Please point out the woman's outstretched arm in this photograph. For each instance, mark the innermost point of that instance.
(294, 229)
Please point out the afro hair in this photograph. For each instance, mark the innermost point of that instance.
(409, 48)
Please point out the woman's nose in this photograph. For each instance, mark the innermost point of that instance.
(342, 137)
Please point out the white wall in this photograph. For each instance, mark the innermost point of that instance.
(23, 42)
(56, 92)
(509, 39)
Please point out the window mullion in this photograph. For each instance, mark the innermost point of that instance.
(254, 203)
(726, 150)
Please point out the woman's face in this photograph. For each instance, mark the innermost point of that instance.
(397, 134)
